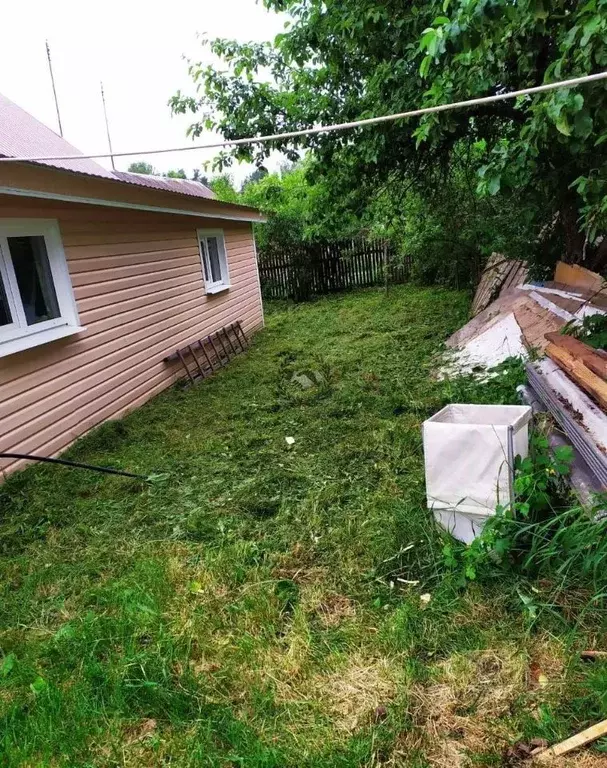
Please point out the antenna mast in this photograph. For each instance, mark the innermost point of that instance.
(50, 67)
(107, 127)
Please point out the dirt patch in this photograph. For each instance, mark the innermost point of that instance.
(349, 696)
(334, 609)
(301, 575)
(546, 667)
(298, 566)
(354, 694)
(459, 713)
(140, 731)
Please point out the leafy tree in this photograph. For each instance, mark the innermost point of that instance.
(179, 173)
(175, 174)
(199, 177)
(342, 60)
(298, 210)
(257, 175)
(224, 188)
(140, 167)
(451, 220)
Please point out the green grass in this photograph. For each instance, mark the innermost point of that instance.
(250, 607)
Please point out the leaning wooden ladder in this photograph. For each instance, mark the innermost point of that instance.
(202, 358)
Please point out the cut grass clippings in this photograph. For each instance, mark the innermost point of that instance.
(259, 603)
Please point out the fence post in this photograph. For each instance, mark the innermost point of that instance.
(386, 276)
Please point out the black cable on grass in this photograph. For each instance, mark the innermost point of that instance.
(77, 465)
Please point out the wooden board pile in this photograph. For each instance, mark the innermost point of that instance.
(570, 378)
(582, 422)
(519, 319)
(583, 364)
(499, 275)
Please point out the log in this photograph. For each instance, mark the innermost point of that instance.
(580, 351)
(580, 374)
(575, 742)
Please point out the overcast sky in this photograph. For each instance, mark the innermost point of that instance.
(136, 50)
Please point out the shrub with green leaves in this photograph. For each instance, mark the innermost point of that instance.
(341, 61)
(592, 330)
(545, 533)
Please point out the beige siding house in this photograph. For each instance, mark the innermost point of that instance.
(103, 275)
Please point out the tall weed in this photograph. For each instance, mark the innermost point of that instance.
(545, 534)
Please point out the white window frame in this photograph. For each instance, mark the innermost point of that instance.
(19, 335)
(210, 285)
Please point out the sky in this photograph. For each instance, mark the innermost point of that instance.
(137, 51)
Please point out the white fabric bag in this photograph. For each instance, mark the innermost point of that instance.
(469, 455)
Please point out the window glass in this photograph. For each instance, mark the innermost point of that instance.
(34, 279)
(205, 265)
(215, 263)
(5, 313)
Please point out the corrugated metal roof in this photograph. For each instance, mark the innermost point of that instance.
(181, 186)
(21, 135)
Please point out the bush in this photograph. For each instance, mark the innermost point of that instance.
(543, 535)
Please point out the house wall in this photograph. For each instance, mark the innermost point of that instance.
(139, 288)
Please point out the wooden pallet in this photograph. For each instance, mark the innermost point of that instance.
(202, 358)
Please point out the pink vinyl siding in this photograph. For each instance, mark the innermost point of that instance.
(140, 293)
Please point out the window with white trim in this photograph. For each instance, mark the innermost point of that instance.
(214, 259)
(36, 300)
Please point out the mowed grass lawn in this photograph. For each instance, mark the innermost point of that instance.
(265, 605)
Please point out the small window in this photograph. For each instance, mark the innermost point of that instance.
(36, 300)
(214, 260)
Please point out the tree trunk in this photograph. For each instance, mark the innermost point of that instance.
(573, 238)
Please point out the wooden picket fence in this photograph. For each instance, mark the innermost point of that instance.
(312, 269)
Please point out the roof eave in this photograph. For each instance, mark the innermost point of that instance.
(214, 208)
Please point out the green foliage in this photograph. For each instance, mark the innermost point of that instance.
(197, 175)
(337, 62)
(257, 175)
(176, 174)
(224, 188)
(145, 168)
(538, 481)
(592, 330)
(448, 232)
(538, 478)
(298, 209)
(546, 534)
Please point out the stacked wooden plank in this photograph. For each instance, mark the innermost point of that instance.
(579, 278)
(499, 275)
(527, 320)
(572, 369)
(583, 364)
(584, 424)
(512, 325)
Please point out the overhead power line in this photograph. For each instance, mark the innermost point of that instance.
(575, 81)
